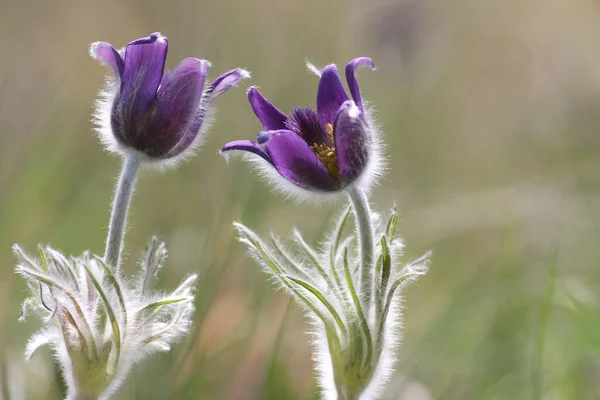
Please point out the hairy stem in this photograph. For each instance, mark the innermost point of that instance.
(120, 209)
(364, 228)
(84, 397)
(346, 394)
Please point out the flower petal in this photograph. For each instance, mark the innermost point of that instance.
(246, 145)
(227, 80)
(352, 142)
(108, 55)
(331, 94)
(143, 70)
(173, 124)
(267, 113)
(297, 163)
(351, 79)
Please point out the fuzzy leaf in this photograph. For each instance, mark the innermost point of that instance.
(48, 281)
(338, 234)
(36, 341)
(115, 283)
(161, 303)
(333, 252)
(390, 229)
(313, 257)
(292, 267)
(84, 346)
(109, 310)
(322, 299)
(359, 311)
(21, 255)
(390, 296)
(153, 260)
(382, 276)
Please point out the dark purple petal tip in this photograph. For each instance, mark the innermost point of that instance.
(156, 36)
(352, 82)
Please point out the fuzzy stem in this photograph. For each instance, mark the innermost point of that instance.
(120, 208)
(346, 394)
(364, 228)
(84, 397)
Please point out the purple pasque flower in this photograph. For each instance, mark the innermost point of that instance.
(324, 150)
(154, 111)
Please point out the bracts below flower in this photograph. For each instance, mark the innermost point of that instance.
(98, 324)
(357, 322)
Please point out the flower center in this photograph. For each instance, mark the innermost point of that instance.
(327, 155)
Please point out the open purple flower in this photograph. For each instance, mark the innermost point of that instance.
(324, 150)
(155, 111)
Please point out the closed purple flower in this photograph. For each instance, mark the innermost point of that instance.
(324, 150)
(151, 110)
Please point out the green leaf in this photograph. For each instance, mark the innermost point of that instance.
(359, 311)
(113, 281)
(390, 229)
(109, 310)
(333, 251)
(390, 296)
(254, 241)
(161, 303)
(384, 278)
(322, 299)
(338, 233)
(313, 257)
(291, 264)
(71, 320)
(51, 283)
(43, 259)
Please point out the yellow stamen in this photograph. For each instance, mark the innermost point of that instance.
(327, 155)
(330, 130)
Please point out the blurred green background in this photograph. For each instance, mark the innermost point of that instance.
(490, 109)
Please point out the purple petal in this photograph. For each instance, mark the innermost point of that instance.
(108, 55)
(267, 113)
(297, 163)
(352, 142)
(227, 80)
(351, 79)
(330, 95)
(173, 124)
(246, 145)
(143, 71)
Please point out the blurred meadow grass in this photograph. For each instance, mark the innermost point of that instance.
(490, 110)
